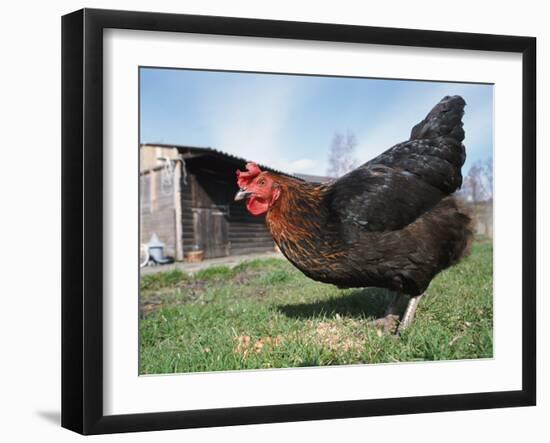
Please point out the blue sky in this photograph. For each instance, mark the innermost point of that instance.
(288, 121)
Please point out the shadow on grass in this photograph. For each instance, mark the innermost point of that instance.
(359, 303)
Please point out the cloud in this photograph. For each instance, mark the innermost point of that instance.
(250, 119)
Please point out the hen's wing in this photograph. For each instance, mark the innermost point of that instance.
(393, 189)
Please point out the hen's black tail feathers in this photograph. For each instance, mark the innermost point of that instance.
(435, 153)
(444, 120)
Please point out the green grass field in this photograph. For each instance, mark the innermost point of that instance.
(266, 314)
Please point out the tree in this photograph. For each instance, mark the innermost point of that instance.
(478, 184)
(342, 154)
(488, 174)
(473, 184)
(478, 189)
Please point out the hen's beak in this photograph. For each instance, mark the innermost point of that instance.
(242, 194)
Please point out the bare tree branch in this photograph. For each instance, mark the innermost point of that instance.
(342, 154)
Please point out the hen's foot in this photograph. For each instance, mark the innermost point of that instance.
(408, 316)
(387, 324)
(390, 321)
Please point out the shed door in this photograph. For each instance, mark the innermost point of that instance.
(211, 233)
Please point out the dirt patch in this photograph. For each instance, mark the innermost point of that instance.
(245, 277)
(191, 290)
(336, 337)
(246, 346)
(187, 291)
(148, 306)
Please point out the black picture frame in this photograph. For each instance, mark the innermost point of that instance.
(82, 218)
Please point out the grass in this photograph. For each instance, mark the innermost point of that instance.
(266, 314)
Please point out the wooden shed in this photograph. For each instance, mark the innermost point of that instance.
(186, 198)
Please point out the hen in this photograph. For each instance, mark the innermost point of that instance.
(391, 223)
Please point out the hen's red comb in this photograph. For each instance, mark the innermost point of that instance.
(244, 178)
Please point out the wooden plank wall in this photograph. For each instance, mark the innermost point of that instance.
(187, 222)
(213, 184)
(247, 234)
(210, 183)
(157, 211)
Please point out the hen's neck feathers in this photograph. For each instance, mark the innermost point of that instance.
(296, 215)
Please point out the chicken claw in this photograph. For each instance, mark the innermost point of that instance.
(390, 321)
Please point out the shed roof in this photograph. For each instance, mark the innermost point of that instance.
(314, 178)
(207, 150)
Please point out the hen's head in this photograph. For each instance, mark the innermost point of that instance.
(259, 188)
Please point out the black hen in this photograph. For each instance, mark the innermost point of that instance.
(390, 223)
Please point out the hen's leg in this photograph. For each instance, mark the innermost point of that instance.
(391, 316)
(408, 316)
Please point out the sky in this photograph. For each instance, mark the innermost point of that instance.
(289, 121)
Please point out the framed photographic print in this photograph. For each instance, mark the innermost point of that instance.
(269, 221)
